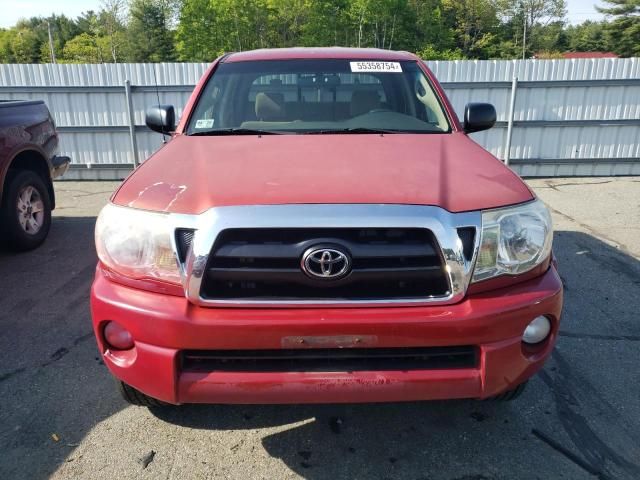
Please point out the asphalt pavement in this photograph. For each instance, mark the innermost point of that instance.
(60, 415)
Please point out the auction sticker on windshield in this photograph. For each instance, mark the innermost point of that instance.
(205, 123)
(393, 67)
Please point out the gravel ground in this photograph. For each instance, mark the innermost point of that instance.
(580, 418)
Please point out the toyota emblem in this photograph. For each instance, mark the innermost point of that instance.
(326, 263)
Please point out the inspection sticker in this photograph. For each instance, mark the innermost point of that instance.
(367, 66)
(204, 123)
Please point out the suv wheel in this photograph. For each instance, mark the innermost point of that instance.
(136, 397)
(510, 395)
(25, 214)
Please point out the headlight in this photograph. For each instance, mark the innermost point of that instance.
(136, 244)
(514, 240)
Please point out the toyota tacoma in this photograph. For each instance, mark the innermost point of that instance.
(320, 228)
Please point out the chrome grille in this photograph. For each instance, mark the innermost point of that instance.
(265, 264)
(454, 235)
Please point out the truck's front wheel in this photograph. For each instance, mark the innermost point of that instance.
(510, 395)
(25, 214)
(136, 397)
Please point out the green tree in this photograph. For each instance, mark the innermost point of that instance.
(111, 18)
(244, 24)
(475, 25)
(588, 37)
(151, 30)
(25, 46)
(196, 34)
(6, 39)
(62, 28)
(209, 28)
(432, 31)
(383, 24)
(430, 53)
(534, 23)
(624, 28)
(87, 22)
(86, 48)
(549, 37)
(200, 30)
(327, 23)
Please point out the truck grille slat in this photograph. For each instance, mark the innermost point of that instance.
(234, 250)
(329, 360)
(265, 264)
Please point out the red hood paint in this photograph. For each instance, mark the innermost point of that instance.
(192, 174)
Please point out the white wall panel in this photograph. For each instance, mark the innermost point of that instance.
(88, 102)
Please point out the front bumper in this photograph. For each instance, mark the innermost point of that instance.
(163, 325)
(59, 165)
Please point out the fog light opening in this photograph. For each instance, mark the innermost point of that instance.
(537, 331)
(117, 337)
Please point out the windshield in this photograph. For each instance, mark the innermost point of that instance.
(318, 96)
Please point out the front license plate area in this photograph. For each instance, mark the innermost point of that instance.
(330, 341)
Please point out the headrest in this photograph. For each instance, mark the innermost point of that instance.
(269, 106)
(363, 101)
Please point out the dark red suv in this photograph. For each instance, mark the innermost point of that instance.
(28, 164)
(320, 228)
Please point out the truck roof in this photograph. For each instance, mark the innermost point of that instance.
(20, 103)
(320, 53)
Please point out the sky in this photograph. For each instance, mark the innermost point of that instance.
(13, 10)
(578, 10)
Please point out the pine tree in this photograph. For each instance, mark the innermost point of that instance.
(151, 30)
(624, 27)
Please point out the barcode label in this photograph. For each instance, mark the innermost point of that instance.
(391, 67)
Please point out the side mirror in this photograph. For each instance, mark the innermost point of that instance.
(161, 118)
(478, 117)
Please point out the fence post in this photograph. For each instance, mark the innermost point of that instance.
(512, 107)
(132, 123)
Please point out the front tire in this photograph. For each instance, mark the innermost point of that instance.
(25, 214)
(510, 395)
(136, 397)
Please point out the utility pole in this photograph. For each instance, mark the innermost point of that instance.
(51, 49)
(524, 33)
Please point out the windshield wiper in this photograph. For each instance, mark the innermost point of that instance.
(370, 130)
(352, 130)
(233, 131)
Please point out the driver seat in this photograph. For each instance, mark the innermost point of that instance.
(363, 101)
(269, 106)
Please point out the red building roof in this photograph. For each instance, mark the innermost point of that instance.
(589, 55)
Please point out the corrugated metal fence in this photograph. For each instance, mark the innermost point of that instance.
(567, 117)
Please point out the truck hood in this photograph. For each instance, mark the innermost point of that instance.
(191, 174)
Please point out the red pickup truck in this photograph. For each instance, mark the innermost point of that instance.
(320, 228)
